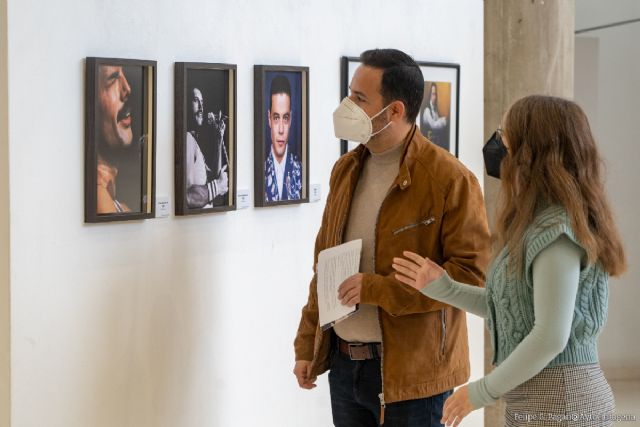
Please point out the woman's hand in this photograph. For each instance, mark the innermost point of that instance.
(456, 407)
(416, 271)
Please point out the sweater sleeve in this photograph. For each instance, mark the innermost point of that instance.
(556, 274)
(465, 297)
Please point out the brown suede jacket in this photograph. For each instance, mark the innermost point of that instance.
(434, 208)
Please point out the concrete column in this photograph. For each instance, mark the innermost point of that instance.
(528, 49)
(5, 318)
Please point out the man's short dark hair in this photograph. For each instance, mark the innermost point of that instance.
(402, 79)
(279, 84)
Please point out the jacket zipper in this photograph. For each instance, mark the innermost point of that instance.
(340, 230)
(407, 227)
(382, 406)
(375, 250)
(443, 320)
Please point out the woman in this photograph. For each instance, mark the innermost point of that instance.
(546, 294)
(434, 125)
(431, 113)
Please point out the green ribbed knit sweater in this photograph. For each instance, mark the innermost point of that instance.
(558, 324)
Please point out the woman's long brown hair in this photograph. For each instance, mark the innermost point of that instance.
(553, 160)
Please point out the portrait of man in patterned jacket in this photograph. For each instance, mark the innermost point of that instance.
(283, 169)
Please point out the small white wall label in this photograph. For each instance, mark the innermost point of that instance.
(242, 199)
(163, 207)
(316, 193)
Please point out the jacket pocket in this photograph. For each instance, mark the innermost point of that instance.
(425, 222)
(443, 334)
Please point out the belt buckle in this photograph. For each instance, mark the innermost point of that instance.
(356, 346)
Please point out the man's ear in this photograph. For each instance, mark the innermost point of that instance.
(269, 117)
(398, 110)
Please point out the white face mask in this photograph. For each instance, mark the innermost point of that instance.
(352, 123)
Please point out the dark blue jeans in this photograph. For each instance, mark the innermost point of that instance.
(355, 386)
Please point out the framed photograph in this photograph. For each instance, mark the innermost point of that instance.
(438, 116)
(281, 124)
(348, 65)
(205, 137)
(120, 124)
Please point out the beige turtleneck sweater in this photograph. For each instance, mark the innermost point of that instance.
(377, 176)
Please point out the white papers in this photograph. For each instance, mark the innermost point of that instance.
(335, 265)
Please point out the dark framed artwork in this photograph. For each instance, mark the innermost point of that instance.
(281, 125)
(438, 117)
(348, 65)
(205, 137)
(120, 139)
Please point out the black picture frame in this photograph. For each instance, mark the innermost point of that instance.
(441, 73)
(120, 139)
(211, 145)
(346, 72)
(296, 169)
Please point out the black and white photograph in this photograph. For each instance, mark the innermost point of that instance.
(205, 134)
(120, 103)
(281, 135)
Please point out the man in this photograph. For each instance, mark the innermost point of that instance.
(283, 171)
(114, 135)
(206, 187)
(398, 358)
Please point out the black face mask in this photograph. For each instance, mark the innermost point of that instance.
(494, 151)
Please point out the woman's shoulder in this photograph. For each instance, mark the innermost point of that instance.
(549, 224)
(550, 216)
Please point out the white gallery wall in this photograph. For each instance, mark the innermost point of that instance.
(5, 320)
(185, 321)
(607, 86)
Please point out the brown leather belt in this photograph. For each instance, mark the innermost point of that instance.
(360, 351)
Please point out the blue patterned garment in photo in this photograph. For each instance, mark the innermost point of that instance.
(292, 186)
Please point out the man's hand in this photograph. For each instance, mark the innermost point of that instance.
(349, 291)
(302, 371)
(218, 122)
